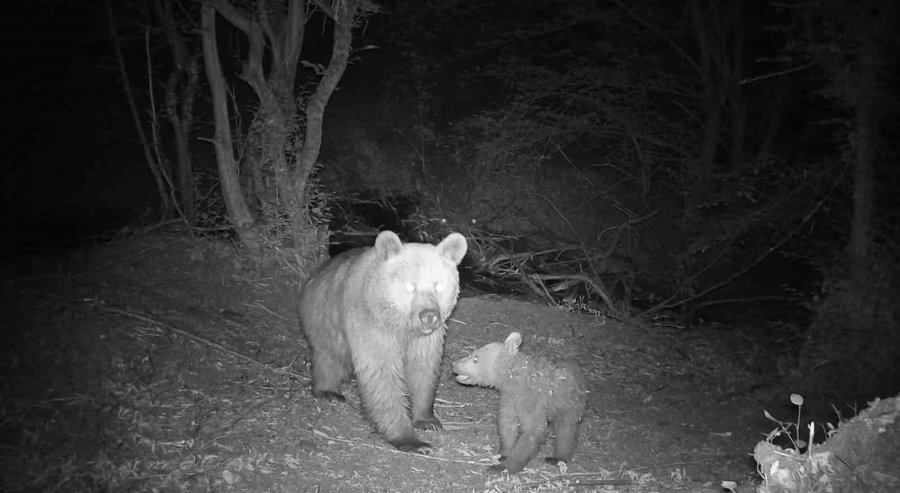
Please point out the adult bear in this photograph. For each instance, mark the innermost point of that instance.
(381, 312)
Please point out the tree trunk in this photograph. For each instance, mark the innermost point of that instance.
(719, 34)
(738, 112)
(238, 212)
(773, 126)
(712, 99)
(864, 142)
(181, 92)
(315, 109)
(732, 66)
(277, 131)
(851, 349)
(275, 30)
(275, 39)
(182, 132)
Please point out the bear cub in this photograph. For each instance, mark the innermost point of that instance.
(533, 393)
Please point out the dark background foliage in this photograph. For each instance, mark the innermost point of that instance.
(696, 160)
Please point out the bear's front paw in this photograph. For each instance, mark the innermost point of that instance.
(432, 424)
(506, 465)
(497, 468)
(413, 445)
(328, 395)
(554, 460)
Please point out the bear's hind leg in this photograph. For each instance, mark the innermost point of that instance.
(328, 375)
(423, 368)
(565, 425)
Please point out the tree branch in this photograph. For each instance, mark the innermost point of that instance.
(315, 110)
(153, 164)
(237, 18)
(671, 42)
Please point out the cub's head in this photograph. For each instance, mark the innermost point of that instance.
(489, 363)
(417, 280)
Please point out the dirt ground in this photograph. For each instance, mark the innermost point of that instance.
(173, 364)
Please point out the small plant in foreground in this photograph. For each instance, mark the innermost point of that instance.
(784, 427)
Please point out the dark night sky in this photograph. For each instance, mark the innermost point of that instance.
(69, 168)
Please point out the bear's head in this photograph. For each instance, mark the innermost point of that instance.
(489, 363)
(419, 281)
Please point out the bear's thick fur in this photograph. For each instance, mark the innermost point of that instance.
(533, 393)
(381, 312)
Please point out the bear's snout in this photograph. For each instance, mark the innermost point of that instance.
(462, 373)
(430, 319)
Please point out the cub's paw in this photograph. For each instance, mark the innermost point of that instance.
(554, 460)
(413, 446)
(328, 395)
(505, 466)
(511, 466)
(432, 424)
(559, 463)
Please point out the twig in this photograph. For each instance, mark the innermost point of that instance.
(246, 412)
(200, 339)
(394, 450)
(578, 482)
(777, 74)
(748, 299)
(148, 229)
(88, 272)
(126, 257)
(258, 305)
(569, 277)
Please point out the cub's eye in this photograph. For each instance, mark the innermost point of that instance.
(474, 359)
(438, 287)
(410, 287)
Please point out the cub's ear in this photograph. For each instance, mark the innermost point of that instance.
(387, 244)
(513, 341)
(453, 247)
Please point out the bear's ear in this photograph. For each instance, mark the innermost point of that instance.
(387, 244)
(513, 341)
(453, 247)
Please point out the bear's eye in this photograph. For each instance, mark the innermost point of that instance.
(474, 359)
(410, 287)
(438, 287)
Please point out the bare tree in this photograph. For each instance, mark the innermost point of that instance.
(275, 34)
(154, 163)
(717, 61)
(855, 63)
(865, 142)
(235, 205)
(853, 342)
(181, 92)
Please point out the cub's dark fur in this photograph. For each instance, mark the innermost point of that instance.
(533, 394)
